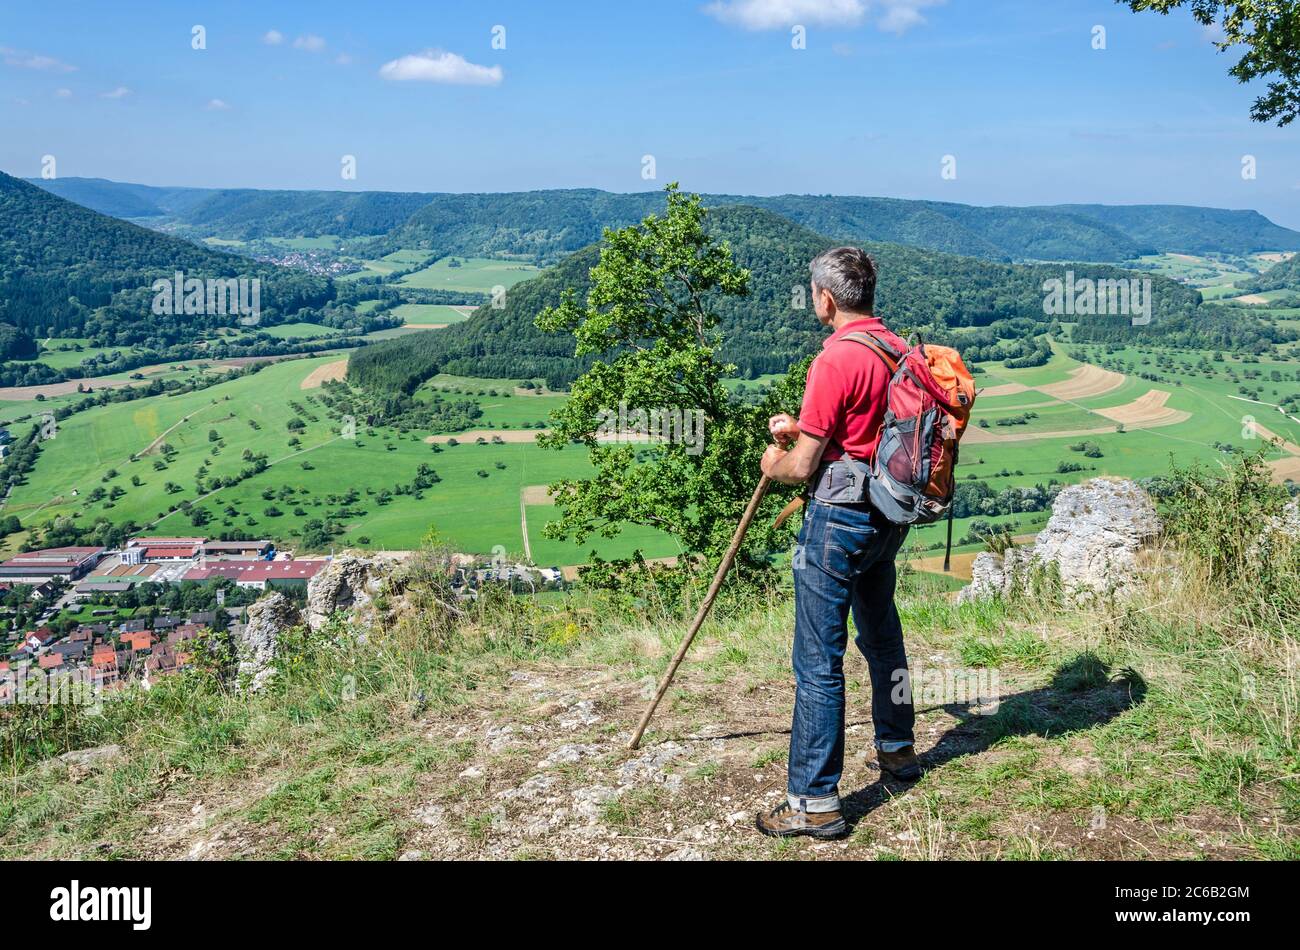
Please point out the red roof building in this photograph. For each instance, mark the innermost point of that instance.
(139, 640)
(183, 632)
(260, 574)
(41, 567)
(163, 549)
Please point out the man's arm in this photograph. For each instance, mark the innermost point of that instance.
(796, 465)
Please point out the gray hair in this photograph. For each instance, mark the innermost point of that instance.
(849, 274)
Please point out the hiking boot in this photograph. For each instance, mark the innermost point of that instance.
(901, 765)
(786, 822)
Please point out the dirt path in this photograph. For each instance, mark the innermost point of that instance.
(505, 435)
(523, 524)
(157, 443)
(534, 764)
(96, 383)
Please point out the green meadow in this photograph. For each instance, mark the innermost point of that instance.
(477, 505)
(470, 274)
(382, 267)
(299, 331)
(67, 353)
(424, 314)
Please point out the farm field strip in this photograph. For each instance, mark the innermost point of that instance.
(328, 372)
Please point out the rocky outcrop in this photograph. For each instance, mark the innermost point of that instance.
(257, 640)
(1091, 543)
(1279, 534)
(349, 582)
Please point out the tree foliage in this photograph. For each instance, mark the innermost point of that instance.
(650, 322)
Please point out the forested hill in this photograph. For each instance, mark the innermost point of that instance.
(246, 213)
(1284, 275)
(762, 333)
(997, 233)
(545, 226)
(124, 200)
(67, 270)
(1190, 230)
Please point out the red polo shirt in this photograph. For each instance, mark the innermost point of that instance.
(845, 394)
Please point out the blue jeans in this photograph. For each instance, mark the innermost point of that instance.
(844, 561)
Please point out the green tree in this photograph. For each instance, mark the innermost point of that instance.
(650, 324)
(1270, 29)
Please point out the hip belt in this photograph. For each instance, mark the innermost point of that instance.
(845, 481)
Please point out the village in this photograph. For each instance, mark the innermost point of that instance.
(108, 617)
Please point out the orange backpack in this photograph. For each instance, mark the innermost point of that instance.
(928, 405)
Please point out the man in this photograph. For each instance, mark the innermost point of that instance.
(845, 558)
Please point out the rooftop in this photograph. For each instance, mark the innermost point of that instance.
(53, 558)
(258, 570)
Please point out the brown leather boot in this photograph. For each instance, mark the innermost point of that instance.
(786, 822)
(902, 765)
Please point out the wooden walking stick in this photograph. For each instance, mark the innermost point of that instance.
(703, 612)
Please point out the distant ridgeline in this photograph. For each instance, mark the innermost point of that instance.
(545, 226)
(920, 290)
(66, 270)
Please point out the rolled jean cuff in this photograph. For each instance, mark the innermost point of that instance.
(814, 806)
(892, 745)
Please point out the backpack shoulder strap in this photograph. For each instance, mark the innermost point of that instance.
(882, 349)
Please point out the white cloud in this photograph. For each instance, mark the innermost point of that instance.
(63, 93)
(439, 66)
(273, 38)
(775, 14)
(28, 60)
(343, 59)
(310, 42)
(121, 92)
(217, 105)
(896, 16)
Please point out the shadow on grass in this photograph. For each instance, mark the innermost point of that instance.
(1083, 693)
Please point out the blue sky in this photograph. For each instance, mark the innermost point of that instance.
(583, 90)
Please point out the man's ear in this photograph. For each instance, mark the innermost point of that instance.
(826, 301)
